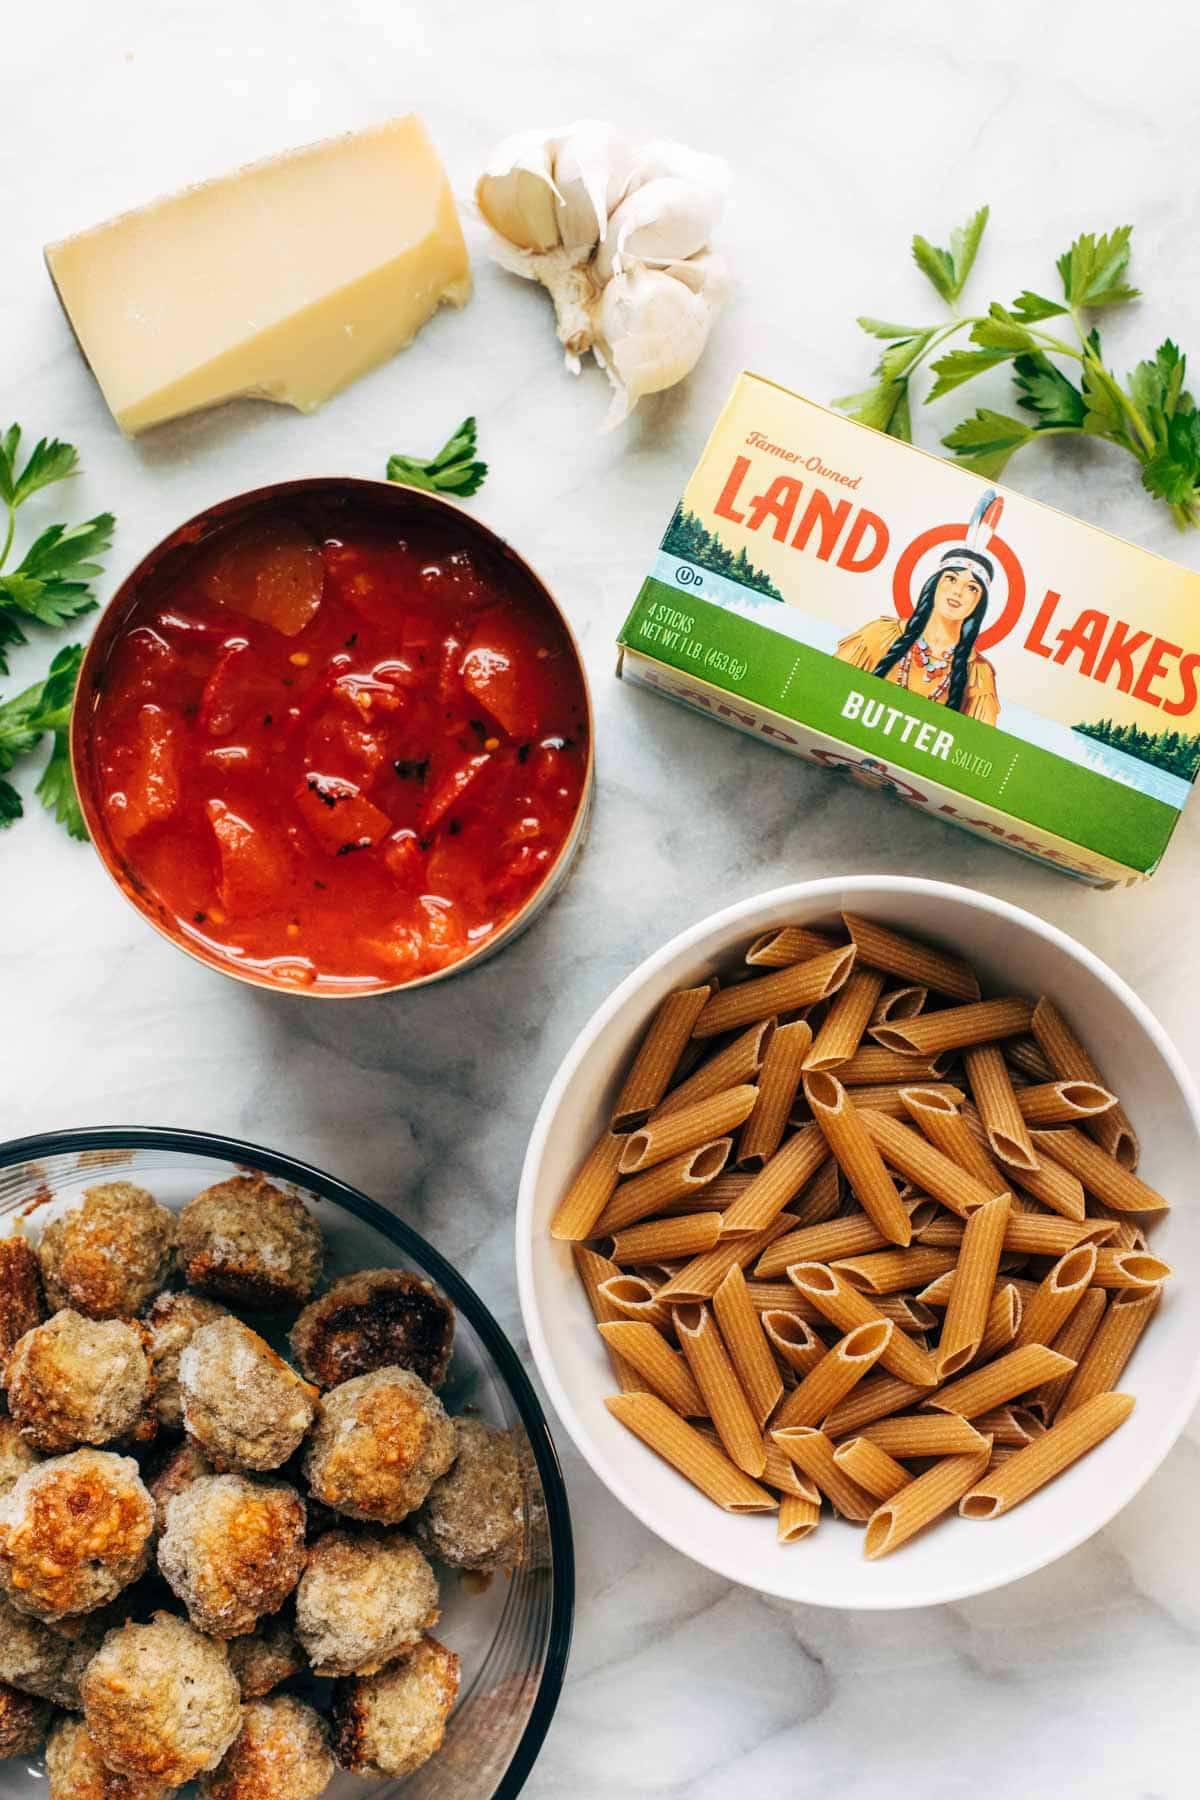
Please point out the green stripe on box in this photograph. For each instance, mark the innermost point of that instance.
(1030, 784)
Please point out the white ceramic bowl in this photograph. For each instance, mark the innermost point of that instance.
(1013, 951)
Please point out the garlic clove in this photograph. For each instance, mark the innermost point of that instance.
(707, 274)
(666, 221)
(516, 192)
(663, 156)
(593, 163)
(650, 330)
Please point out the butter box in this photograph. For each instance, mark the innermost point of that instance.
(884, 612)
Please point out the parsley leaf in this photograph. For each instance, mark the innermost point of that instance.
(451, 471)
(986, 442)
(48, 461)
(882, 328)
(875, 406)
(958, 366)
(1046, 391)
(10, 805)
(1174, 473)
(948, 269)
(51, 582)
(24, 721)
(1000, 331)
(1092, 270)
(1029, 308)
(56, 789)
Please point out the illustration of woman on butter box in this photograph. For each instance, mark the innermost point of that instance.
(933, 651)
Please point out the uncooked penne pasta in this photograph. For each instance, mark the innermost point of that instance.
(724, 1396)
(717, 1195)
(847, 1019)
(900, 1003)
(641, 1196)
(880, 948)
(1028, 1234)
(660, 1368)
(700, 1278)
(594, 1270)
(781, 1296)
(905, 1311)
(991, 1085)
(1100, 1173)
(686, 1236)
(1009, 1426)
(698, 1461)
(1002, 1323)
(822, 1198)
(840, 1369)
(590, 1192)
(786, 1174)
(793, 1340)
(703, 1123)
(851, 1143)
(1030, 1469)
(634, 1298)
(812, 1452)
(939, 1119)
(873, 1064)
(906, 1150)
(1057, 1297)
(797, 1518)
(873, 1469)
(768, 995)
(835, 1239)
(924, 1434)
(748, 1349)
(927, 1498)
(889, 1097)
(971, 1296)
(998, 1382)
(738, 1063)
(894, 1271)
(956, 1027)
(763, 1130)
(1069, 1059)
(1025, 1055)
(789, 944)
(1102, 1362)
(878, 1397)
(784, 1476)
(845, 1307)
(1049, 1183)
(1063, 1102)
(658, 1057)
(1073, 1342)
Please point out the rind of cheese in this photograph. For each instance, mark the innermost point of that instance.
(282, 281)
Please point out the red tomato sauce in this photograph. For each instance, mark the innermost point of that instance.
(338, 757)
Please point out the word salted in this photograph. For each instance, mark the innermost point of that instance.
(875, 715)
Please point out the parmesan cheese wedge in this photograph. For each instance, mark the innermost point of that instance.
(283, 281)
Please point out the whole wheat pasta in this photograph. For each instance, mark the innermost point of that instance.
(702, 1123)
(1099, 1172)
(593, 1271)
(1103, 1361)
(873, 1469)
(797, 1518)
(658, 1057)
(836, 1238)
(938, 1117)
(642, 1196)
(1049, 1183)
(822, 1198)
(893, 1271)
(991, 1085)
(781, 1296)
(1029, 1234)
(1063, 1102)
(872, 1065)
(589, 1192)
(686, 1236)
(927, 1498)
(777, 1084)
(1058, 1296)
(878, 1397)
(845, 1307)
(1125, 1235)
(851, 1142)
(910, 1435)
(1009, 1426)
(1069, 1059)
(1002, 1323)
(738, 1063)
(905, 1311)
(784, 1476)
(787, 990)
(788, 944)
(971, 1295)
(882, 949)
(934, 1173)
(1025, 1055)
(717, 1195)
(792, 1339)
(724, 1396)
(1135, 1269)
(847, 1019)
(1073, 1341)
(634, 1298)
(1000, 1381)
(956, 1028)
(700, 1278)
(698, 1461)
(888, 1097)
(660, 1368)
(840, 1369)
(748, 1349)
(812, 1452)
(900, 1003)
(1030, 1469)
(786, 1174)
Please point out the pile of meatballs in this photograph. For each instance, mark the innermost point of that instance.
(187, 1521)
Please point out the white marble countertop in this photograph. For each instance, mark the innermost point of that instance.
(849, 127)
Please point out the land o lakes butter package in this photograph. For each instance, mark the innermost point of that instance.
(886, 613)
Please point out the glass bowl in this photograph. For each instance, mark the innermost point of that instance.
(514, 1636)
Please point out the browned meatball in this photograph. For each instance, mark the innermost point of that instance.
(232, 1550)
(24, 1722)
(21, 1305)
(44, 1662)
(186, 1463)
(16, 1456)
(265, 1657)
(474, 1516)
(363, 1601)
(81, 1381)
(281, 1753)
(377, 1319)
(391, 1723)
(107, 1257)
(76, 1772)
(172, 1322)
(73, 1533)
(241, 1402)
(379, 1444)
(161, 1700)
(247, 1241)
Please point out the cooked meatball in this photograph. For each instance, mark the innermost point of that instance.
(81, 1381)
(186, 1463)
(16, 1456)
(281, 1753)
(241, 1402)
(161, 1700)
(76, 1772)
(474, 1517)
(21, 1305)
(363, 1601)
(73, 1533)
(379, 1444)
(232, 1550)
(378, 1319)
(391, 1723)
(246, 1241)
(107, 1257)
(171, 1322)
(44, 1662)
(24, 1722)
(265, 1657)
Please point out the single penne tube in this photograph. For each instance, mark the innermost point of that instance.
(900, 1003)
(812, 1452)
(939, 1119)
(1102, 1361)
(786, 1174)
(1009, 1426)
(701, 1276)
(1057, 1297)
(871, 1467)
(1025, 1055)
(749, 1351)
(851, 1142)
(659, 1140)
(920, 1161)
(971, 1295)
(1047, 1182)
(684, 1236)
(1130, 1269)
(724, 1396)
(927, 1498)
(910, 1435)
(1100, 1173)
(1028, 1234)
(1125, 1234)
(707, 1468)
(822, 1198)
(788, 944)
(889, 1097)
(784, 991)
(871, 1065)
(1071, 1437)
(732, 1067)
(797, 1518)
(904, 957)
(895, 1271)
(1002, 1323)
(590, 1191)
(762, 1133)
(658, 1057)
(783, 1475)
(642, 1196)
(633, 1296)
(997, 1382)
(876, 1397)
(845, 1307)
(793, 1341)
(847, 1019)
(831, 1379)
(1073, 1342)
(663, 1370)
(1068, 1058)
(905, 1311)
(593, 1271)
(956, 1028)
(831, 1242)
(717, 1195)
(781, 1296)
(992, 1088)
(1063, 1102)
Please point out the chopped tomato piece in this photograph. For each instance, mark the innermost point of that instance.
(339, 815)
(399, 949)
(449, 784)
(271, 571)
(237, 691)
(346, 746)
(145, 665)
(445, 931)
(376, 585)
(146, 777)
(500, 670)
(405, 859)
(255, 869)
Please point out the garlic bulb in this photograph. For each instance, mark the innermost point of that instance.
(617, 228)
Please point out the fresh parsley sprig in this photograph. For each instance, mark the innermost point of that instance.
(453, 470)
(1150, 415)
(24, 721)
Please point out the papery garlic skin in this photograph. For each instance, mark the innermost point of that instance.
(651, 328)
